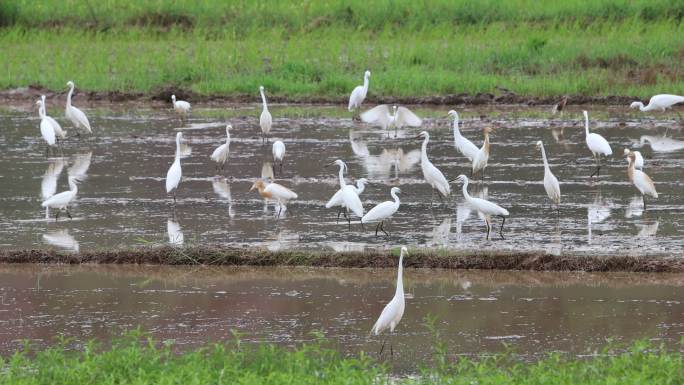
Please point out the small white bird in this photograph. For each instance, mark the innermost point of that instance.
(484, 207)
(640, 180)
(482, 157)
(383, 211)
(62, 200)
(55, 125)
(394, 310)
(660, 102)
(265, 120)
(274, 192)
(463, 145)
(338, 199)
(173, 176)
(220, 154)
(400, 117)
(551, 184)
(358, 95)
(46, 129)
(347, 197)
(77, 117)
(638, 159)
(432, 175)
(181, 107)
(278, 153)
(597, 145)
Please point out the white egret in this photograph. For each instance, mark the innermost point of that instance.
(46, 129)
(265, 120)
(173, 176)
(358, 95)
(597, 145)
(550, 181)
(274, 192)
(62, 200)
(560, 106)
(660, 102)
(482, 157)
(383, 211)
(220, 154)
(181, 107)
(463, 145)
(640, 180)
(400, 117)
(394, 310)
(278, 151)
(77, 117)
(347, 197)
(432, 175)
(484, 207)
(338, 199)
(638, 159)
(55, 125)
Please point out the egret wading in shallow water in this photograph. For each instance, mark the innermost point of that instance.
(62, 200)
(462, 144)
(46, 129)
(55, 125)
(278, 151)
(383, 211)
(173, 176)
(265, 120)
(551, 184)
(640, 180)
(638, 159)
(274, 192)
(220, 154)
(431, 174)
(359, 93)
(400, 117)
(484, 207)
(338, 199)
(394, 310)
(597, 145)
(181, 107)
(76, 116)
(347, 197)
(660, 102)
(482, 156)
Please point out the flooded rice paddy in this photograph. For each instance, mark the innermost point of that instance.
(476, 311)
(122, 203)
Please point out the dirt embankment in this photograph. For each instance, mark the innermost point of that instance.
(416, 259)
(32, 93)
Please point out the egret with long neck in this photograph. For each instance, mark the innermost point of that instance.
(265, 120)
(394, 310)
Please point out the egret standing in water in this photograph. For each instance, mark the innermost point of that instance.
(400, 117)
(274, 192)
(278, 153)
(463, 145)
(597, 145)
(660, 102)
(432, 175)
(640, 180)
(77, 117)
(55, 125)
(62, 200)
(484, 207)
(638, 159)
(220, 154)
(173, 176)
(551, 184)
(347, 197)
(358, 95)
(46, 129)
(265, 120)
(482, 157)
(181, 107)
(394, 310)
(383, 211)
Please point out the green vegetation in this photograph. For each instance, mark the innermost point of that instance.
(136, 359)
(320, 49)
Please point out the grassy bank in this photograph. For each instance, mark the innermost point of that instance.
(316, 49)
(134, 360)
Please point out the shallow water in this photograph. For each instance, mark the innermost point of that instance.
(476, 311)
(122, 202)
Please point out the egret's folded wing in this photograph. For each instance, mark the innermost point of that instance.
(377, 115)
(407, 118)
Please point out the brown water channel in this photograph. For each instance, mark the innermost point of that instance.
(477, 311)
(122, 202)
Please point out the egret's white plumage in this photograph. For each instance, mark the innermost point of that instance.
(337, 199)
(77, 117)
(46, 129)
(274, 192)
(220, 154)
(658, 103)
(62, 200)
(638, 159)
(463, 145)
(484, 207)
(394, 310)
(173, 176)
(265, 120)
(55, 125)
(347, 196)
(640, 180)
(383, 211)
(398, 118)
(359, 93)
(180, 106)
(432, 175)
(597, 144)
(482, 157)
(551, 184)
(278, 151)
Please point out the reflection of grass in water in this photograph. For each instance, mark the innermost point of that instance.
(137, 359)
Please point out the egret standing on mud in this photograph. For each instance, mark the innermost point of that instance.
(660, 102)
(220, 154)
(55, 125)
(383, 211)
(358, 95)
(62, 200)
(550, 181)
(640, 180)
(484, 207)
(394, 310)
(400, 117)
(597, 145)
(482, 156)
(77, 117)
(274, 192)
(432, 175)
(181, 107)
(173, 176)
(278, 151)
(265, 120)
(638, 159)
(347, 197)
(463, 145)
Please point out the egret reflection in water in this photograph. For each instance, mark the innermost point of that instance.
(79, 167)
(174, 232)
(635, 207)
(62, 239)
(48, 186)
(647, 229)
(380, 166)
(662, 143)
(597, 212)
(222, 189)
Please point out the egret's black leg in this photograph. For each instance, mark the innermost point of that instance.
(174, 197)
(348, 221)
(386, 233)
(57, 215)
(338, 215)
(382, 348)
(501, 229)
(69, 214)
(643, 198)
(487, 223)
(376, 228)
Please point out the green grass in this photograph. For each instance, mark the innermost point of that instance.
(320, 49)
(135, 359)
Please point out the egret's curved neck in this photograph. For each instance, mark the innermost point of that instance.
(457, 132)
(263, 99)
(546, 163)
(586, 125)
(485, 145)
(465, 191)
(360, 187)
(73, 186)
(400, 274)
(178, 148)
(71, 91)
(342, 184)
(423, 149)
(630, 170)
(227, 136)
(41, 110)
(365, 84)
(396, 198)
